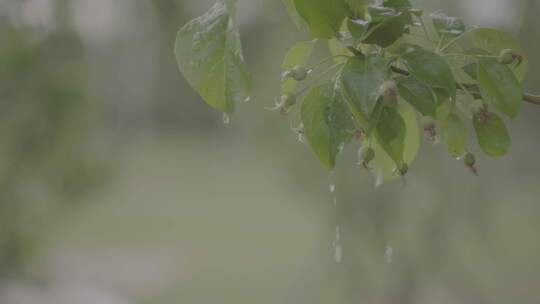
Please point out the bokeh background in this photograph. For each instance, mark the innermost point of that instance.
(118, 185)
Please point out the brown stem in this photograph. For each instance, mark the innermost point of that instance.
(528, 97)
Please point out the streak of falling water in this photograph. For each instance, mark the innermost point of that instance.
(389, 253)
(226, 119)
(336, 243)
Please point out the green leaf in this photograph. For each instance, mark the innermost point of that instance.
(472, 70)
(494, 41)
(492, 134)
(430, 69)
(360, 80)
(297, 55)
(383, 166)
(336, 48)
(391, 132)
(455, 135)
(324, 17)
(499, 86)
(327, 122)
(357, 28)
(293, 14)
(389, 22)
(418, 95)
(402, 5)
(443, 111)
(447, 26)
(357, 7)
(209, 54)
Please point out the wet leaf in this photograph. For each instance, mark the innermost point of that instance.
(447, 26)
(391, 132)
(455, 135)
(323, 17)
(418, 95)
(430, 69)
(357, 28)
(499, 87)
(492, 134)
(336, 48)
(293, 14)
(209, 55)
(389, 22)
(357, 7)
(472, 70)
(383, 166)
(327, 122)
(360, 81)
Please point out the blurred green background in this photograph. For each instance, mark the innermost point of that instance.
(119, 185)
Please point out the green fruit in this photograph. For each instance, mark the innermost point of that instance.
(507, 57)
(299, 73)
(366, 154)
(287, 100)
(469, 159)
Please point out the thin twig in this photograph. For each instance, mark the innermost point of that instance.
(528, 97)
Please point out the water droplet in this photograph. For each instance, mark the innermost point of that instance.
(248, 99)
(360, 22)
(379, 180)
(389, 254)
(332, 188)
(341, 147)
(226, 119)
(338, 253)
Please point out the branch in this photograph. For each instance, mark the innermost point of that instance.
(528, 97)
(534, 99)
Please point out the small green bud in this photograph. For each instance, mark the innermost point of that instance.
(299, 73)
(287, 100)
(508, 57)
(366, 154)
(469, 159)
(389, 91)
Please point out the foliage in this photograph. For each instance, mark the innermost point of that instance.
(47, 128)
(391, 64)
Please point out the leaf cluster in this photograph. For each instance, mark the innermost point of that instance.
(392, 72)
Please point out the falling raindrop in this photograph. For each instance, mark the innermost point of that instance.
(389, 254)
(332, 187)
(338, 253)
(226, 119)
(247, 99)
